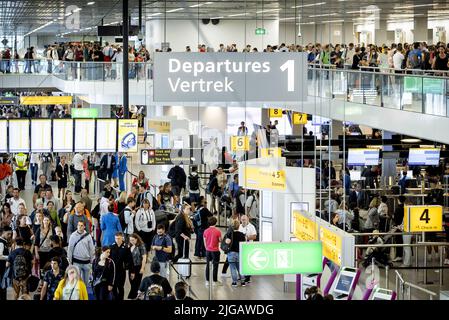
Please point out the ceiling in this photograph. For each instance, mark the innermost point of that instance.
(52, 17)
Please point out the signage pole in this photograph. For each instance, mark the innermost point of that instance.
(125, 60)
(298, 287)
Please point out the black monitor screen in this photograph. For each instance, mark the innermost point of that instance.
(344, 284)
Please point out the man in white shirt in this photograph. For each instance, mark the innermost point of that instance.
(78, 166)
(104, 203)
(15, 201)
(349, 55)
(249, 230)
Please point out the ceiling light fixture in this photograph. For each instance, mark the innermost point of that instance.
(323, 15)
(77, 10)
(217, 18)
(155, 14)
(90, 3)
(415, 6)
(309, 5)
(333, 21)
(268, 10)
(410, 140)
(174, 10)
(237, 15)
(39, 28)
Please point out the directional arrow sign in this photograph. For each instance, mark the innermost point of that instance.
(269, 258)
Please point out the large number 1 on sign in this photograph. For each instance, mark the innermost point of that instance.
(290, 65)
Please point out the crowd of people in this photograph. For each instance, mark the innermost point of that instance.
(60, 248)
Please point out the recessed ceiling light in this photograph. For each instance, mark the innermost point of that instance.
(217, 18)
(323, 15)
(268, 10)
(410, 140)
(416, 6)
(174, 10)
(77, 10)
(155, 14)
(90, 3)
(309, 5)
(237, 15)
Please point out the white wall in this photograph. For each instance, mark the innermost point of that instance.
(212, 117)
(311, 33)
(182, 33)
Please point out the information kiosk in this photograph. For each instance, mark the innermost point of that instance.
(322, 280)
(345, 283)
(379, 294)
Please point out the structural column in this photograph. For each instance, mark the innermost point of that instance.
(380, 32)
(420, 29)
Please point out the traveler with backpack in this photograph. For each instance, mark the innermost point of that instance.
(178, 179)
(183, 232)
(146, 223)
(165, 196)
(143, 194)
(201, 223)
(162, 244)
(78, 214)
(155, 279)
(212, 239)
(72, 287)
(213, 189)
(110, 225)
(415, 60)
(81, 250)
(20, 261)
(193, 185)
(126, 217)
(231, 247)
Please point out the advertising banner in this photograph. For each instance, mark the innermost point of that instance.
(127, 135)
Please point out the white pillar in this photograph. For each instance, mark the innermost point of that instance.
(380, 33)
(420, 29)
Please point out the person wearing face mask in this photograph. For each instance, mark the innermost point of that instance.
(103, 274)
(72, 286)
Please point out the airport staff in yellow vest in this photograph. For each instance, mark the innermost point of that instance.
(21, 161)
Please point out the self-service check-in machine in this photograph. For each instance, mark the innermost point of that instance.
(379, 294)
(344, 285)
(322, 280)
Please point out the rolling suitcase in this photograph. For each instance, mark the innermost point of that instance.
(184, 264)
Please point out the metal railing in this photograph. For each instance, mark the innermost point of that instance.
(403, 287)
(440, 245)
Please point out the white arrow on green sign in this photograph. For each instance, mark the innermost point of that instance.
(269, 258)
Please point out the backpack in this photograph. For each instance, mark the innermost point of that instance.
(172, 229)
(121, 218)
(210, 185)
(20, 270)
(197, 218)
(193, 182)
(415, 62)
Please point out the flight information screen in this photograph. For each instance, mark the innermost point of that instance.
(424, 156)
(363, 157)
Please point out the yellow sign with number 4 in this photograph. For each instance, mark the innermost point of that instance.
(423, 218)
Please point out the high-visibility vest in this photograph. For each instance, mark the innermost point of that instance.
(21, 160)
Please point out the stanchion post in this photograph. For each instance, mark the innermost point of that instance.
(441, 264)
(386, 277)
(210, 279)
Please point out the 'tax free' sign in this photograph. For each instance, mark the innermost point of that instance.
(227, 77)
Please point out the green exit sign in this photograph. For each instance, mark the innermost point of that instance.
(261, 31)
(84, 113)
(270, 258)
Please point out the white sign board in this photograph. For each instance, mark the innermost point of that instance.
(19, 136)
(41, 135)
(230, 77)
(84, 135)
(3, 134)
(106, 135)
(62, 135)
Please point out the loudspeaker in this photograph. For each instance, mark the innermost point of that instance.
(215, 21)
(205, 21)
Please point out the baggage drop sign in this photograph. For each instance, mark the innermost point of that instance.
(230, 77)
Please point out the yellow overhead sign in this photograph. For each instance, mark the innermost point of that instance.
(300, 118)
(39, 100)
(275, 113)
(423, 218)
(305, 228)
(332, 245)
(264, 178)
(239, 143)
(159, 126)
(271, 152)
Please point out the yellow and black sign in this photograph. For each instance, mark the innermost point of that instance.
(9, 101)
(271, 152)
(239, 143)
(43, 100)
(300, 118)
(332, 245)
(305, 228)
(264, 178)
(423, 218)
(159, 126)
(170, 156)
(275, 113)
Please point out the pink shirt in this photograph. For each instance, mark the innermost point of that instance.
(212, 236)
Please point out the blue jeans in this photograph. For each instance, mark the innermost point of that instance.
(121, 179)
(233, 259)
(34, 169)
(200, 250)
(194, 197)
(84, 272)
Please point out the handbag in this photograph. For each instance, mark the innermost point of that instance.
(226, 247)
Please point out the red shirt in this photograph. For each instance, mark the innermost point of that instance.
(212, 236)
